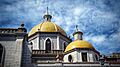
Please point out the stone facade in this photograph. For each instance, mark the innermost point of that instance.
(13, 41)
(13, 49)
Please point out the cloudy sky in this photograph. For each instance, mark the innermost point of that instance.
(99, 20)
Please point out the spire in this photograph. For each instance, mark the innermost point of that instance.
(76, 27)
(22, 29)
(22, 24)
(77, 34)
(47, 16)
(47, 11)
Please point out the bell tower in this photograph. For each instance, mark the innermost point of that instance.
(77, 34)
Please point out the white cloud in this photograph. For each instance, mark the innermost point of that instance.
(77, 11)
(98, 39)
(95, 38)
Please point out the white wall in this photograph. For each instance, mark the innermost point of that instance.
(35, 44)
(74, 57)
(77, 56)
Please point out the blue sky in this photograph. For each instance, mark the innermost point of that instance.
(99, 20)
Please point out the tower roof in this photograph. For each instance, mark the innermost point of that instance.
(47, 26)
(79, 44)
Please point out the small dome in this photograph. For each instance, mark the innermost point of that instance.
(46, 26)
(79, 44)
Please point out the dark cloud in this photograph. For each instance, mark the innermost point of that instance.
(7, 2)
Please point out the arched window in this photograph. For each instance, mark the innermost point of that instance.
(84, 57)
(64, 46)
(70, 58)
(31, 43)
(48, 46)
(1, 54)
(96, 57)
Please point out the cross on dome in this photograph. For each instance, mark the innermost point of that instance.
(47, 16)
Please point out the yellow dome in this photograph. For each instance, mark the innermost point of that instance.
(47, 26)
(79, 44)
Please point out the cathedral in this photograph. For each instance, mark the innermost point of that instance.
(48, 45)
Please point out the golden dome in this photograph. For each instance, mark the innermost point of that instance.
(47, 26)
(79, 44)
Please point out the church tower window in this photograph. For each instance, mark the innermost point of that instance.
(96, 57)
(1, 54)
(48, 46)
(84, 57)
(70, 58)
(64, 46)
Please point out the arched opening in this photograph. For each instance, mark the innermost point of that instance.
(48, 46)
(31, 43)
(64, 46)
(96, 57)
(1, 54)
(84, 57)
(70, 58)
